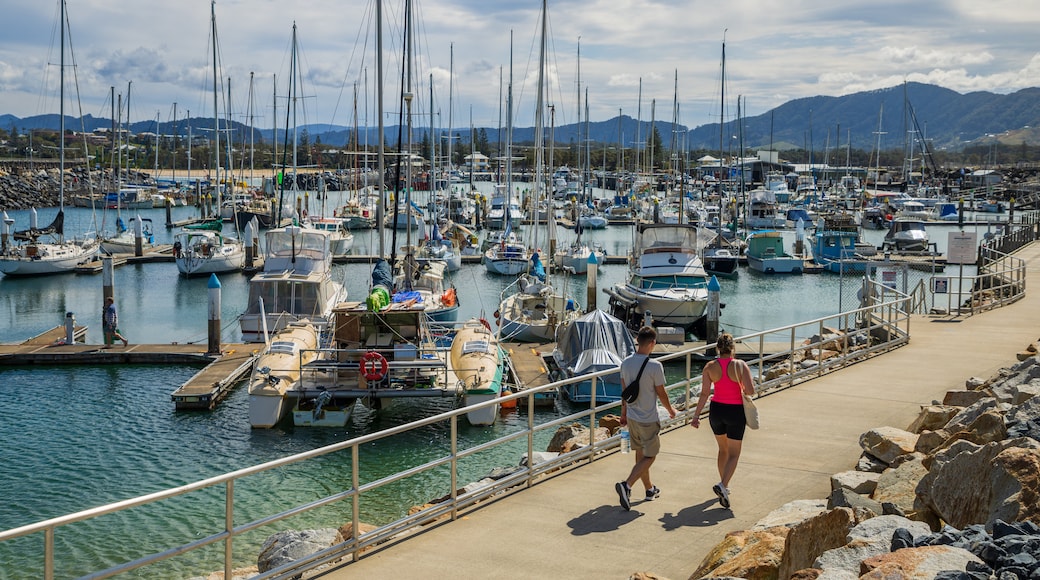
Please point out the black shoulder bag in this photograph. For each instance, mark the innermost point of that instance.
(630, 392)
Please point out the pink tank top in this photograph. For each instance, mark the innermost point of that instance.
(727, 390)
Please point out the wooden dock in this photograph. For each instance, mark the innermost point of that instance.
(212, 384)
(56, 336)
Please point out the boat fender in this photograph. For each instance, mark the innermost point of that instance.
(373, 366)
(486, 324)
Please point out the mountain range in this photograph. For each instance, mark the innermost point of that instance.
(945, 118)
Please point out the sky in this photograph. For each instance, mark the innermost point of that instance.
(637, 57)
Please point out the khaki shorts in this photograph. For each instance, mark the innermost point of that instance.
(645, 437)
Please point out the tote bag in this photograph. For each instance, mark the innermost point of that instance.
(750, 412)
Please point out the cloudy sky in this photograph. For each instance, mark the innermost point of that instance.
(775, 51)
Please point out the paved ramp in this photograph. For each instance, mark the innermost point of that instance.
(570, 525)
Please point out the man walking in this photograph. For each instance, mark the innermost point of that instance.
(644, 424)
(110, 323)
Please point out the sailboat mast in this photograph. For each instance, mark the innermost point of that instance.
(216, 114)
(61, 114)
(539, 123)
(381, 161)
(451, 80)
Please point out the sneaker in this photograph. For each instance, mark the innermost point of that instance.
(653, 493)
(723, 494)
(622, 492)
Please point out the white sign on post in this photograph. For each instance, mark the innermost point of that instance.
(961, 248)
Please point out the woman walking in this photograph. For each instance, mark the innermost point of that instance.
(727, 379)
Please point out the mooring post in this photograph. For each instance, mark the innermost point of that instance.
(169, 212)
(249, 245)
(107, 279)
(70, 328)
(714, 310)
(591, 282)
(214, 315)
(138, 237)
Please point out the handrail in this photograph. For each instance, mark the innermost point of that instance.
(810, 350)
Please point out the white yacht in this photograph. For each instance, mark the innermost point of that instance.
(296, 283)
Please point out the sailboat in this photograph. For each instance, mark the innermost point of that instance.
(202, 248)
(535, 310)
(719, 257)
(125, 240)
(36, 257)
(575, 257)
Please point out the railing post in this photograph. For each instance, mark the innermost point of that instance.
(454, 467)
(355, 520)
(229, 527)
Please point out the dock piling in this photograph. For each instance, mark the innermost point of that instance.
(590, 299)
(6, 232)
(70, 328)
(138, 237)
(107, 279)
(250, 252)
(214, 315)
(714, 310)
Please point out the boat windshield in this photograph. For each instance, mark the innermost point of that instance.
(659, 282)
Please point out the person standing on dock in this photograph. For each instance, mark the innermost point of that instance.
(110, 323)
(729, 378)
(644, 424)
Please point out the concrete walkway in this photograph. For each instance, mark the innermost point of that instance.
(570, 525)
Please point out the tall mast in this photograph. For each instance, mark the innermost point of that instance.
(451, 82)
(216, 114)
(61, 113)
(379, 113)
(539, 124)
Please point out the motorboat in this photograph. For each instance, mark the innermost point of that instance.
(201, 251)
(594, 342)
(479, 364)
(906, 235)
(340, 240)
(762, 210)
(531, 311)
(666, 279)
(765, 253)
(277, 372)
(837, 252)
(296, 283)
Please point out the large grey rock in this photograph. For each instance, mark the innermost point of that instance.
(964, 398)
(808, 540)
(565, 433)
(887, 443)
(791, 513)
(847, 498)
(967, 484)
(862, 482)
(881, 528)
(868, 462)
(968, 415)
(291, 545)
(932, 417)
(911, 563)
(1024, 419)
(898, 486)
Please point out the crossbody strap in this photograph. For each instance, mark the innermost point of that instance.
(640, 375)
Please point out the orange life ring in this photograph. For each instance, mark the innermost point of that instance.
(373, 366)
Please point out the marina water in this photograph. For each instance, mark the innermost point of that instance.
(82, 436)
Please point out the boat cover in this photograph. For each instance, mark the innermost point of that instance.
(594, 342)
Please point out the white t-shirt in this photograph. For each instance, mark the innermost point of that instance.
(644, 409)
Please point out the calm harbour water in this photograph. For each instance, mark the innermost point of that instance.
(77, 437)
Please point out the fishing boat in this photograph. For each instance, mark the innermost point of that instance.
(296, 283)
(836, 251)
(765, 253)
(591, 343)
(906, 235)
(479, 364)
(666, 279)
(277, 373)
(203, 251)
(762, 210)
(340, 240)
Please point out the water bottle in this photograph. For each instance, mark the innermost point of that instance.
(626, 441)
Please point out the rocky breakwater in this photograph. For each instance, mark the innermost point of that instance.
(25, 188)
(956, 495)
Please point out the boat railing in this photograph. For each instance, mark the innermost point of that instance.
(780, 357)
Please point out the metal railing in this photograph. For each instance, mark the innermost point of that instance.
(780, 357)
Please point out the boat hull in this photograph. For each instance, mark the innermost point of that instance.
(477, 361)
(277, 373)
(46, 259)
(305, 414)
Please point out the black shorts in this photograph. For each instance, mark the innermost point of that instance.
(727, 420)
